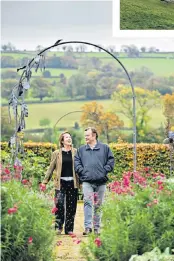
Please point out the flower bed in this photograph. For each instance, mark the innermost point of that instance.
(137, 217)
(26, 221)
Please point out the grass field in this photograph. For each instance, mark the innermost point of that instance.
(159, 66)
(79, 55)
(146, 14)
(54, 111)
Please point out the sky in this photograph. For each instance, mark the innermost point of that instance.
(27, 24)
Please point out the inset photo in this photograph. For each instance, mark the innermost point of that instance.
(146, 14)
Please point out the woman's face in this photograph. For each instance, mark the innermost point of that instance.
(67, 140)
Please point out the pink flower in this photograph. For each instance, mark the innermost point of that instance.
(12, 210)
(146, 169)
(24, 181)
(7, 171)
(155, 201)
(77, 241)
(72, 235)
(53, 211)
(42, 187)
(160, 187)
(149, 205)
(59, 243)
(98, 242)
(159, 182)
(30, 240)
(126, 181)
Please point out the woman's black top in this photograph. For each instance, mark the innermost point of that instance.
(67, 169)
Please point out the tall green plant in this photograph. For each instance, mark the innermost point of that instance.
(25, 225)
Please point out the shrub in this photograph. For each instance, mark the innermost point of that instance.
(157, 156)
(26, 225)
(154, 255)
(137, 216)
(33, 169)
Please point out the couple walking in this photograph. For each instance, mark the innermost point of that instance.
(89, 166)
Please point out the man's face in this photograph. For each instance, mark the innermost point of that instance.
(90, 137)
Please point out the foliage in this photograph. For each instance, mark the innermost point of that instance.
(33, 170)
(44, 122)
(6, 128)
(146, 100)
(150, 14)
(7, 86)
(154, 255)
(41, 149)
(156, 156)
(94, 115)
(41, 88)
(26, 235)
(169, 109)
(137, 216)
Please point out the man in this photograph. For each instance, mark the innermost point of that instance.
(92, 163)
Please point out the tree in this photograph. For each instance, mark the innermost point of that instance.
(44, 122)
(7, 86)
(82, 48)
(146, 100)
(69, 48)
(64, 48)
(94, 115)
(168, 103)
(152, 49)
(46, 74)
(132, 50)
(9, 74)
(143, 49)
(39, 48)
(41, 88)
(8, 47)
(7, 129)
(111, 49)
(76, 85)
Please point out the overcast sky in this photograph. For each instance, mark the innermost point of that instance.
(27, 24)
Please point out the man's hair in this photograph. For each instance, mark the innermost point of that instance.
(93, 131)
(61, 138)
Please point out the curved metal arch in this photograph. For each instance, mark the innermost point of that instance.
(60, 42)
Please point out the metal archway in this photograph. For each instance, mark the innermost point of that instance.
(19, 91)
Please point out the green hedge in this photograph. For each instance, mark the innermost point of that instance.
(156, 156)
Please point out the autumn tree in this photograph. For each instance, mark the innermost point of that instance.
(168, 105)
(105, 121)
(145, 101)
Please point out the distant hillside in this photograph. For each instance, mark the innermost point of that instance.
(146, 14)
(160, 63)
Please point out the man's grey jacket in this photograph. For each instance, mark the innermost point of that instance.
(93, 165)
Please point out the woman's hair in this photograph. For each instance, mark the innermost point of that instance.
(94, 131)
(61, 138)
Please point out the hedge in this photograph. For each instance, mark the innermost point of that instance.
(156, 156)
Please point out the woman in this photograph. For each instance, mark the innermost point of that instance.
(66, 184)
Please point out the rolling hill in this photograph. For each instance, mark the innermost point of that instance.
(146, 14)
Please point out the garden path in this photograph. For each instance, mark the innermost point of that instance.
(69, 249)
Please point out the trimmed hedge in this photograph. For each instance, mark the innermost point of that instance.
(155, 156)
